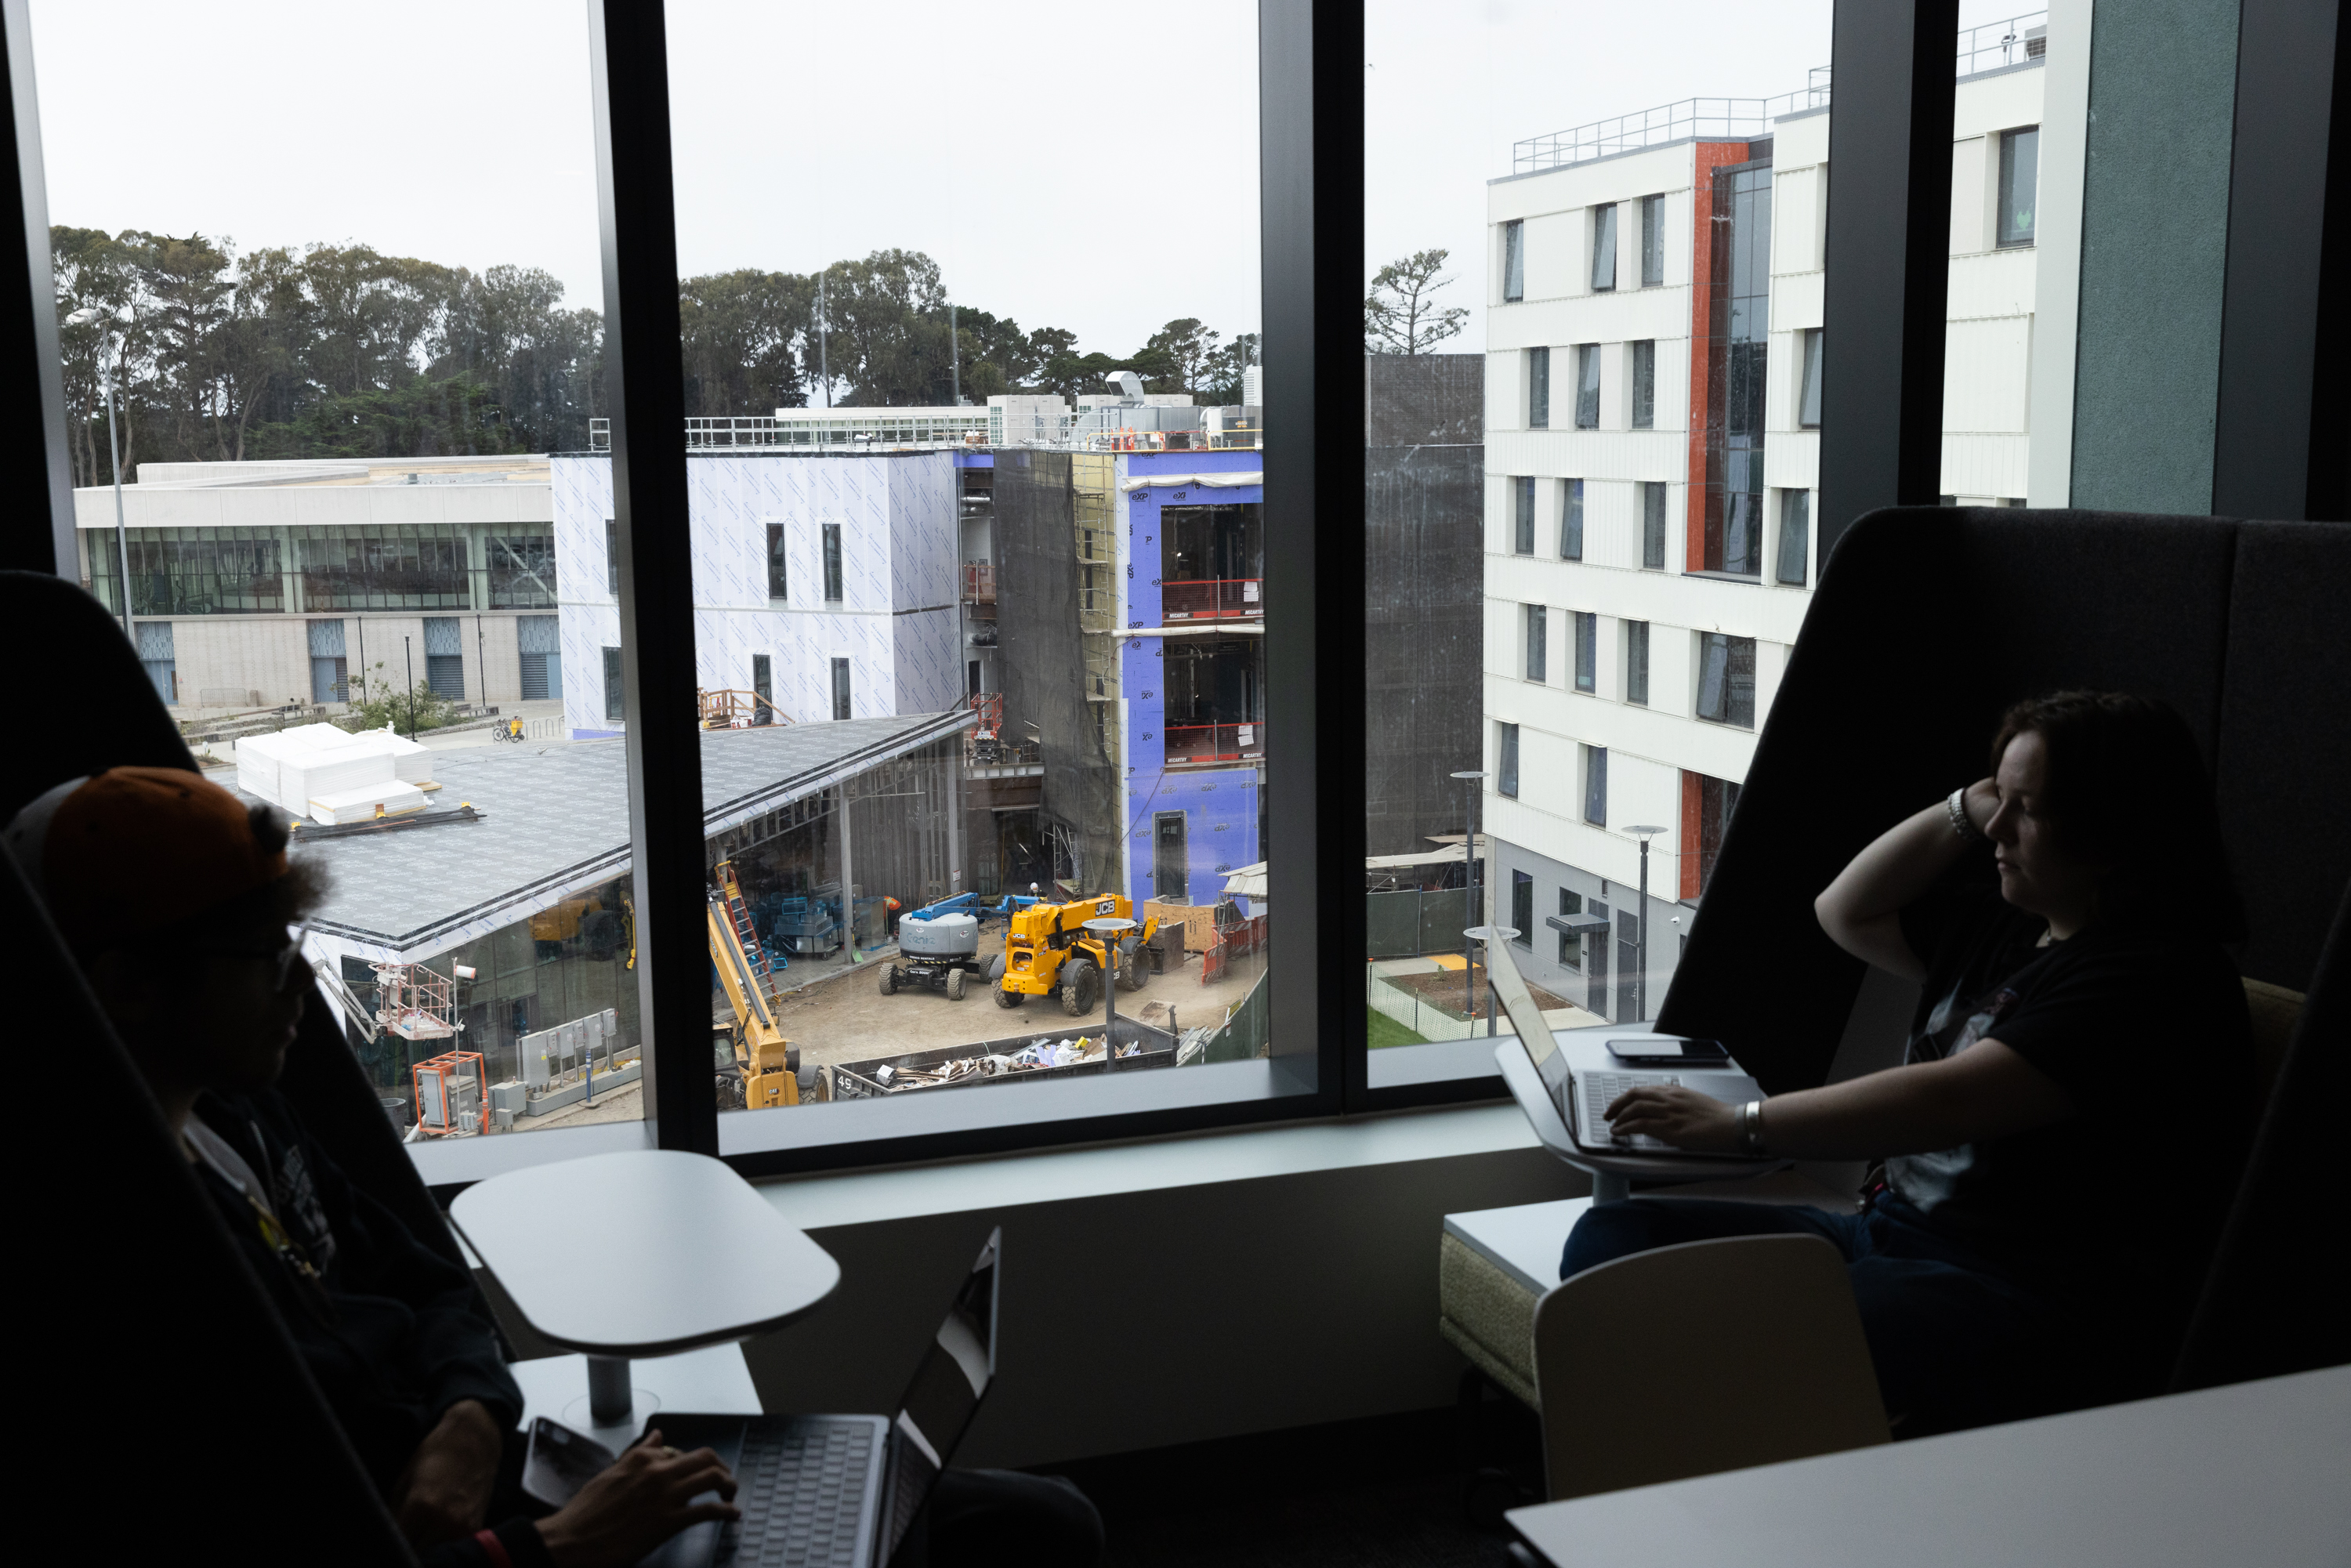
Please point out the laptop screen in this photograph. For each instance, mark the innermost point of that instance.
(939, 1404)
(1519, 1003)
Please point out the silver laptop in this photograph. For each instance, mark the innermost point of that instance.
(1574, 1102)
(841, 1491)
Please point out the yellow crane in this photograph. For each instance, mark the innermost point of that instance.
(769, 1063)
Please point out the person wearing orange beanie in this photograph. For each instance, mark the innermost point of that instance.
(181, 905)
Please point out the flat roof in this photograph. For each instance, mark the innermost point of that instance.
(556, 822)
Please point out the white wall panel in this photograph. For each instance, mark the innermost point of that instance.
(1985, 365)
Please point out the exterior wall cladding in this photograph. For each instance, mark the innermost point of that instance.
(895, 621)
(1655, 617)
(1220, 804)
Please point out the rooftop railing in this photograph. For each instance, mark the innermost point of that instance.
(2016, 41)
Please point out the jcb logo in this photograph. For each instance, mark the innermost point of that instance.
(1107, 906)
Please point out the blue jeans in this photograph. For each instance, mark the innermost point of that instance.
(1955, 1342)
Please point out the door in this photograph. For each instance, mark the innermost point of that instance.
(763, 684)
(1170, 873)
(444, 657)
(330, 680)
(1595, 970)
(156, 653)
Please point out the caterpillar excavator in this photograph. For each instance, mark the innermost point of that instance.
(1049, 949)
(767, 1064)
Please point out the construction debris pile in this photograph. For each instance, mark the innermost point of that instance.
(994, 1064)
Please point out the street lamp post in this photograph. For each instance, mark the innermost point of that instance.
(1641, 939)
(82, 317)
(1470, 864)
(1110, 930)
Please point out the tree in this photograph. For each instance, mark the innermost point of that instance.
(1221, 373)
(744, 333)
(1399, 315)
(1188, 347)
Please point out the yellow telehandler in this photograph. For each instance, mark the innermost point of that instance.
(1049, 950)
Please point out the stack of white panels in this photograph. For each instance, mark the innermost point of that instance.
(388, 798)
(294, 768)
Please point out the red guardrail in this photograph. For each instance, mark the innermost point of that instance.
(1212, 599)
(1216, 743)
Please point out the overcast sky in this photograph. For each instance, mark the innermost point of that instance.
(1090, 166)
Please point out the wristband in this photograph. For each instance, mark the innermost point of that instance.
(493, 1548)
(1962, 825)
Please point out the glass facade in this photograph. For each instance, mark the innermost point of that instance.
(1737, 350)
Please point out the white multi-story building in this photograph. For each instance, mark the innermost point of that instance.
(826, 582)
(1652, 452)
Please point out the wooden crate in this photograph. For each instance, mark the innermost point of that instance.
(1199, 920)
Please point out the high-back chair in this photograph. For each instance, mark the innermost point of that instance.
(1711, 1355)
(165, 1359)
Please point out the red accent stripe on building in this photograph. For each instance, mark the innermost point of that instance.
(1693, 804)
(1709, 156)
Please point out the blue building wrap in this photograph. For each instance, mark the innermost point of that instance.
(1219, 804)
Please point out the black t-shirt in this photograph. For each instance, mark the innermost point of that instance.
(2146, 1031)
(393, 1332)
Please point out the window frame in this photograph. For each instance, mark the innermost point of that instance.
(1594, 762)
(1604, 248)
(1506, 759)
(780, 566)
(1809, 356)
(1534, 621)
(1653, 241)
(830, 543)
(1571, 519)
(2011, 163)
(1654, 529)
(1313, 165)
(1539, 388)
(1587, 650)
(1587, 386)
(1636, 662)
(1643, 352)
(1522, 514)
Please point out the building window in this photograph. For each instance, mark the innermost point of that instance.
(1523, 498)
(1653, 241)
(1538, 620)
(1716, 799)
(611, 558)
(1523, 908)
(1506, 767)
(1571, 947)
(1795, 534)
(1604, 248)
(1587, 650)
(616, 695)
(1514, 261)
(840, 688)
(1587, 386)
(444, 657)
(1653, 524)
(832, 563)
(1538, 389)
(1637, 662)
(1645, 384)
(763, 686)
(1571, 519)
(1595, 784)
(778, 577)
(1726, 679)
(2020, 186)
(1738, 357)
(1808, 393)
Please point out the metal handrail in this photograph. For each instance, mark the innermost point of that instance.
(1217, 599)
(1989, 47)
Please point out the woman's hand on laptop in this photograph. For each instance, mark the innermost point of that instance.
(1673, 1114)
(646, 1498)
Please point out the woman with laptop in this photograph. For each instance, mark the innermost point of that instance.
(2077, 1085)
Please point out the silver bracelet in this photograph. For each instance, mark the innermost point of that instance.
(1962, 825)
(1751, 1127)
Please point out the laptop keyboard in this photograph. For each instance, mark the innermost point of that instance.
(1600, 1091)
(801, 1489)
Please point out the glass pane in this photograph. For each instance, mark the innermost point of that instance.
(330, 386)
(1016, 489)
(1675, 418)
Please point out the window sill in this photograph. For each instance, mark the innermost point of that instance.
(1154, 1166)
(1753, 577)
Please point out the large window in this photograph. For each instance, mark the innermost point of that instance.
(1653, 241)
(2020, 186)
(1726, 679)
(1538, 389)
(1737, 307)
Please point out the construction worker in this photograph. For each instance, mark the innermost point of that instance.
(890, 917)
(176, 900)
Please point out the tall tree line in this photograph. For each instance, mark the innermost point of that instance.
(343, 351)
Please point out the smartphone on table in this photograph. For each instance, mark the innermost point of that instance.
(1668, 1051)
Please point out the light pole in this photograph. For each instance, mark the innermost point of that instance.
(1110, 930)
(1641, 940)
(1477, 914)
(82, 317)
(1490, 935)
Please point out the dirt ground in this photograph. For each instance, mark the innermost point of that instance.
(1444, 991)
(847, 1019)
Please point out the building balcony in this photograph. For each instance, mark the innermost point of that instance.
(1213, 598)
(1192, 744)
